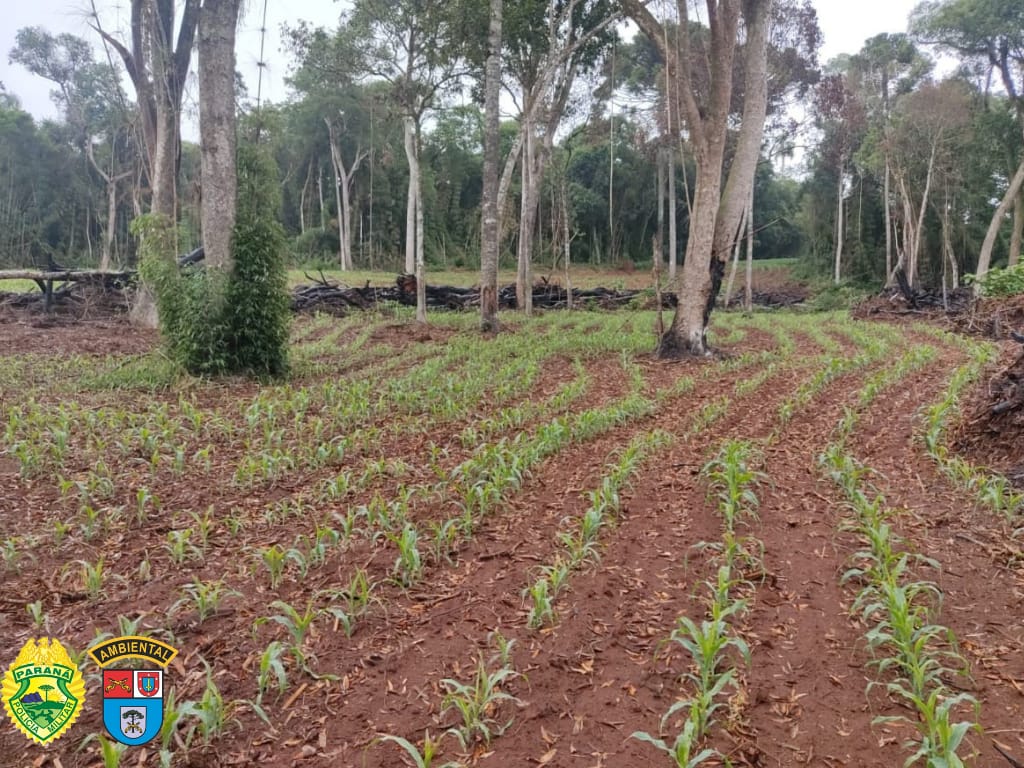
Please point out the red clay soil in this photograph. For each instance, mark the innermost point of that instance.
(981, 565)
(42, 336)
(603, 670)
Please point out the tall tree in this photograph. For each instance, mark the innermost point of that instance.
(415, 47)
(706, 93)
(548, 43)
(490, 232)
(218, 20)
(886, 67)
(90, 98)
(157, 63)
(989, 33)
(927, 132)
(840, 115)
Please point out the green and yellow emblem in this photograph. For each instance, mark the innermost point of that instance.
(43, 691)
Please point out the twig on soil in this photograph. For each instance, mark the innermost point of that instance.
(1009, 758)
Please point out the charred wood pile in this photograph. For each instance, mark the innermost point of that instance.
(992, 431)
(80, 291)
(323, 295)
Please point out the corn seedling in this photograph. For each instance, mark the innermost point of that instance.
(180, 547)
(273, 557)
(110, 751)
(144, 500)
(421, 758)
(477, 702)
(213, 715)
(205, 596)
(92, 578)
(203, 527)
(541, 611)
(271, 670)
(298, 626)
(444, 539)
(408, 565)
(35, 610)
(731, 479)
(682, 751)
(60, 531)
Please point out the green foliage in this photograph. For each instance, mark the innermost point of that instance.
(1001, 282)
(257, 301)
(215, 323)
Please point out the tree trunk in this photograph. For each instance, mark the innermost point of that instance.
(673, 241)
(985, 257)
(415, 220)
(837, 277)
(505, 183)
(1017, 238)
(490, 234)
(566, 243)
(716, 216)
(659, 237)
(748, 294)
(346, 216)
(702, 272)
(157, 65)
(947, 247)
(320, 196)
(218, 21)
(163, 181)
(410, 203)
(735, 264)
(527, 223)
(338, 166)
(343, 192)
(748, 146)
(914, 254)
(887, 218)
(302, 198)
(108, 235)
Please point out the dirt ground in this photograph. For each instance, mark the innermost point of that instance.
(603, 670)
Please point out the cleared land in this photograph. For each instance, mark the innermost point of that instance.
(424, 524)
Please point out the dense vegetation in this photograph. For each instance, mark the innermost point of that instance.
(946, 147)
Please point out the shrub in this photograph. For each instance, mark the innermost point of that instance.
(1002, 282)
(217, 324)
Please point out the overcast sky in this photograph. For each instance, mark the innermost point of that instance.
(845, 25)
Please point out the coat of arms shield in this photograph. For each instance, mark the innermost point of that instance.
(133, 706)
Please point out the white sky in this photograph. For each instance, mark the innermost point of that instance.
(846, 25)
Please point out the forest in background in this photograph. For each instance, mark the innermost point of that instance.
(946, 146)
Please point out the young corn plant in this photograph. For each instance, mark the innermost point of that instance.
(111, 752)
(732, 480)
(420, 758)
(298, 625)
(477, 703)
(271, 670)
(37, 613)
(683, 751)
(901, 611)
(205, 596)
(93, 577)
(212, 714)
(707, 644)
(408, 565)
(180, 547)
(541, 610)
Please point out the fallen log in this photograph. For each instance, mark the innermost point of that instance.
(67, 275)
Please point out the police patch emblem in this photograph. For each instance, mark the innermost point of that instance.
(43, 691)
(133, 699)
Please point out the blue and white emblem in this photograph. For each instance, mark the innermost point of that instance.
(133, 704)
